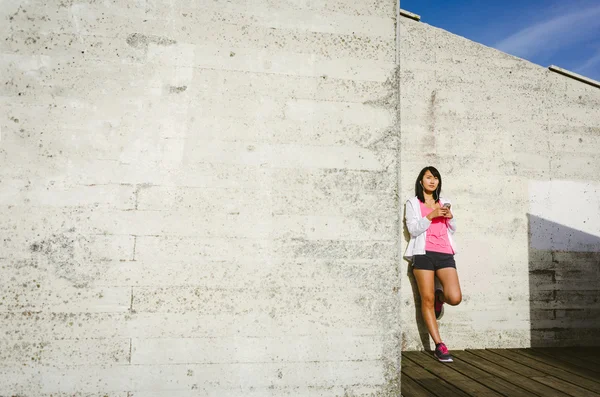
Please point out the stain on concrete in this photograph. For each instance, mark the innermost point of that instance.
(177, 90)
(138, 189)
(391, 102)
(23, 352)
(429, 140)
(432, 104)
(141, 41)
(68, 255)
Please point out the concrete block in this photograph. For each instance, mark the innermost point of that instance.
(19, 379)
(267, 349)
(30, 325)
(343, 113)
(573, 166)
(40, 297)
(576, 115)
(61, 195)
(251, 274)
(245, 84)
(178, 377)
(354, 303)
(178, 249)
(190, 222)
(311, 391)
(74, 46)
(62, 246)
(275, 199)
(288, 156)
(328, 45)
(81, 170)
(65, 353)
(378, 8)
(569, 140)
(300, 20)
(325, 133)
(289, 63)
(209, 25)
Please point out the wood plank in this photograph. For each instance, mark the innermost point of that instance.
(559, 362)
(571, 390)
(548, 369)
(410, 388)
(407, 363)
(436, 386)
(570, 356)
(588, 353)
(591, 350)
(449, 374)
(487, 379)
(532, 386)
(507, 363)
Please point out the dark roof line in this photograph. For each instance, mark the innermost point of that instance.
(575, 76)
(408, 14)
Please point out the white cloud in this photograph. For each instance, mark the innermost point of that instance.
(547, 36)
(587, 65)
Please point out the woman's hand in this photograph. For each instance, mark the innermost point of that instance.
(439, 212)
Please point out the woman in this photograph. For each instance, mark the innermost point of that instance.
(431, 249)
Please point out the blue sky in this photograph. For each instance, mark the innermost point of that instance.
(547, 32)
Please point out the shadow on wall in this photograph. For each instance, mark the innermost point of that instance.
(564, 285)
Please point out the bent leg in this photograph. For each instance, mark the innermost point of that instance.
(449, 278)
(425, 282)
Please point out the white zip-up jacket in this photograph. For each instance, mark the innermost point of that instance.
(418, 224)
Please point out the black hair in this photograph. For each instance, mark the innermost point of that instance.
(419, 187)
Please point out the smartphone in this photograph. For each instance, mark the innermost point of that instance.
(447, 205)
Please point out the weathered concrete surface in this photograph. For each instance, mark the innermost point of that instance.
(517, 146)
(199, 198)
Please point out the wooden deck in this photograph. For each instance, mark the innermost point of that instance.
(504, 372)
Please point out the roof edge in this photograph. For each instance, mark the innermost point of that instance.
(574, 75)
(408, 14)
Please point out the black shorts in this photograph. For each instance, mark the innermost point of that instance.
(433, 261)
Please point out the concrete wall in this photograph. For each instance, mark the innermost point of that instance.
(199, 198)
(517, 148)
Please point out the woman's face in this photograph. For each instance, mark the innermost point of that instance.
(429, 182)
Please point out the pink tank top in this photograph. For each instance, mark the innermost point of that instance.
(437, 233)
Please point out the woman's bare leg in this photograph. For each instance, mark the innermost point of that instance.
(449, 278)
(425, 282)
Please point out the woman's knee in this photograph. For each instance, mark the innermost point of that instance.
(453, 298)
(427, 299)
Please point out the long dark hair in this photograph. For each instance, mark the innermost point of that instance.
(419, 187)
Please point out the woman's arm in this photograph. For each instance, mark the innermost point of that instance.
(415, 224)
(450, 222)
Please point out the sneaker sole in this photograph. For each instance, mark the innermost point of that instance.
(437, 317)
(441, 314)
(444, 360)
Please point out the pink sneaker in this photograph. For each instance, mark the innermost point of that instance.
(442, 353)
(438, 304)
